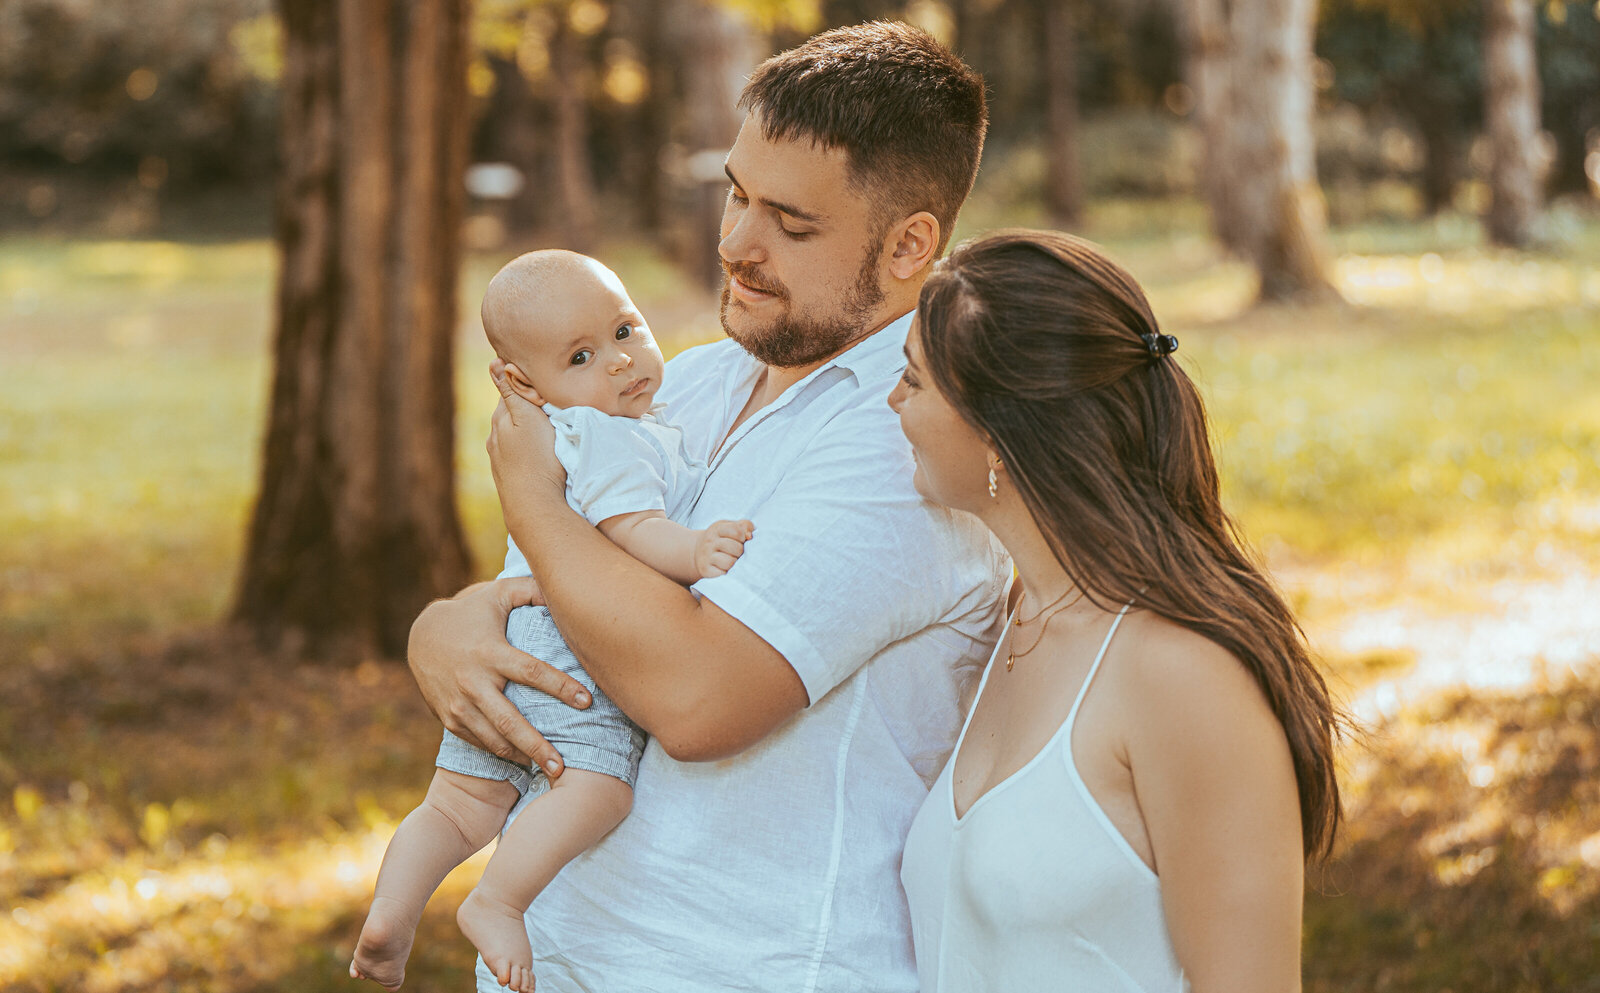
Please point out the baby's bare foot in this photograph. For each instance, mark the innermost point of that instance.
(497, 931)
(385, 944)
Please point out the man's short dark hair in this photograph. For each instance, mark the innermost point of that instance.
(908, 112)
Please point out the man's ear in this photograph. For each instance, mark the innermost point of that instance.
(522, 387)
(916, 240)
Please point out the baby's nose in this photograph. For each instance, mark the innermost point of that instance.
(621, 360)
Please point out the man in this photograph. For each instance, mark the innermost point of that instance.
(800, 705)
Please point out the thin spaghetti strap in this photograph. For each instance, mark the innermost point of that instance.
(1083, 690)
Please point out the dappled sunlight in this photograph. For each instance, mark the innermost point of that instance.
(1471, 845)
(229, 914)
(1464, 284)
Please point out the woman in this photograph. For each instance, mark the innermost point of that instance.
(1149, 759)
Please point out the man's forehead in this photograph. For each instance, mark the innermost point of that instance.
(801, 172)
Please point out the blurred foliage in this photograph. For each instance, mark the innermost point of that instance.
(155, 102)
(1418, 64)
(166, 92)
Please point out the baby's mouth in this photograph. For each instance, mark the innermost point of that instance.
(636, 387)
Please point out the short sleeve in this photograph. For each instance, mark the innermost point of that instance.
(612, 466)
(847, 558)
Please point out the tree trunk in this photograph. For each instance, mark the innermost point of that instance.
(1511, 92)
(1064, 180)
(1209, 55)
(518, 125)
(355, 527)
(720, 52)
(1272, 169)
(574, 180)
(1443, 154)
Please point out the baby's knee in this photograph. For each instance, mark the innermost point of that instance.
(477, 807)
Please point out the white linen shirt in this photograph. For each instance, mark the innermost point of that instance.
(617, 465)
(778, 869)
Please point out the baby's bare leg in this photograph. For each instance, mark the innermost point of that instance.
(580, 809)
(460, 815)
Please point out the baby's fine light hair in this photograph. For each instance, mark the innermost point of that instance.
(523, 283)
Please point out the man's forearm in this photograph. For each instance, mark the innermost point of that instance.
(698, 680)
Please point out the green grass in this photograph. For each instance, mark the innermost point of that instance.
(178, 812)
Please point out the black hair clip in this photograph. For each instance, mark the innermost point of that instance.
(1160, 345)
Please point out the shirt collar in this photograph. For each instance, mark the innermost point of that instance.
(879, 354)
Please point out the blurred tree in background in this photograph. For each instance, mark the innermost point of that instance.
(355, 528)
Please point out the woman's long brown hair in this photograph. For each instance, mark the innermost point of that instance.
(1039, 342)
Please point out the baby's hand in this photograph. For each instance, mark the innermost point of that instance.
(720, 545)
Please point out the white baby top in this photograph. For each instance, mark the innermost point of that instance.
(778, 869)
(618, 465)
(1033, 888)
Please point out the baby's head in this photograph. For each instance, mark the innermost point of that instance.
(570, 336)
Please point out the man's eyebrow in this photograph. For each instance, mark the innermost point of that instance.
(778, 205)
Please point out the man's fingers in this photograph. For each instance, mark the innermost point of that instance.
(497, 372)
(519, 591)
(520, 667)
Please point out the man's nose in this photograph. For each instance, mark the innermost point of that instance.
(739, 242)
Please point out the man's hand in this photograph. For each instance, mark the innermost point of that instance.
(720, 545)
(461, 661)
(521, 450)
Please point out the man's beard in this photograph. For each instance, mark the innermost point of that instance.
(793, 340)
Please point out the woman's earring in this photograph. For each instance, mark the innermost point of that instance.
(994, 485)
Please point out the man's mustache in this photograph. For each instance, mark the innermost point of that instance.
(749, 275)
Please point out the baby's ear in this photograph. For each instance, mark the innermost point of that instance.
(522, 387)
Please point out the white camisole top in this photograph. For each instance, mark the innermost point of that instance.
(1033, 888)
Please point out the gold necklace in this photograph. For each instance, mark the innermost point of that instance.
(1016, 622)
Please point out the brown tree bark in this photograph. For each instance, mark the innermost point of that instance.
(1271, 173)
(1063, 178)
(1208, 67)
(1511, 91)
(355, 527)
(566, 84)
(720, 50)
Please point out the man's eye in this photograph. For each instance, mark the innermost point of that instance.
(582, 356)
(736, 196)
(796, 235)
(624, 332)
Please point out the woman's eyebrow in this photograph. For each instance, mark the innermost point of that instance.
(778, 205)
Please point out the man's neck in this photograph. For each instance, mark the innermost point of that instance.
(774, 380)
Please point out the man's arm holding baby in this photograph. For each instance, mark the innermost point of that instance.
(693, 676)
(682, 554)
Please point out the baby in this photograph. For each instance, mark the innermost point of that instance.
(571, 339)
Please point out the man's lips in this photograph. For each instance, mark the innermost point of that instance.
(745, 291)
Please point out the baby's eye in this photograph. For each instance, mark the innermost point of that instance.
(582, 356)
(624, 332)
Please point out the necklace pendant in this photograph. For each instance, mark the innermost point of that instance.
(1010, 661)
